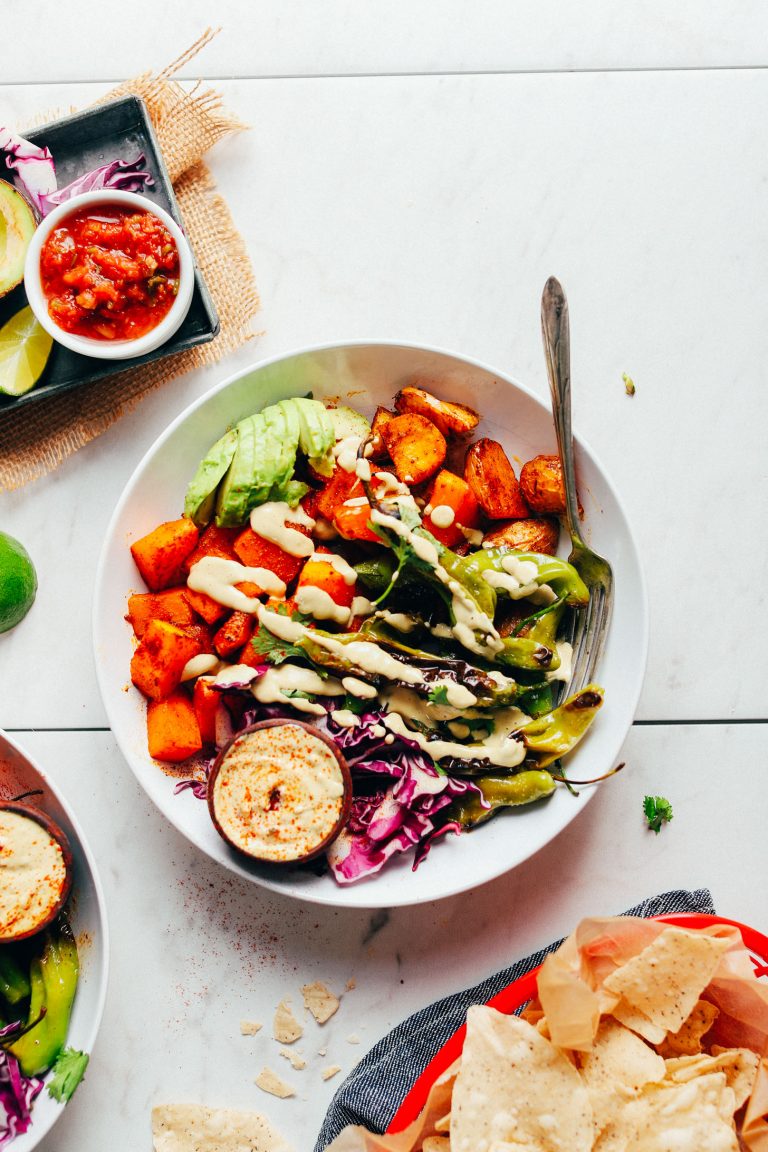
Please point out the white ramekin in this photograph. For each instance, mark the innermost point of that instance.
(109, 349)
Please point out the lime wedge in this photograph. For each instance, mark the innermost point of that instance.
(24, 350)
(18, 582)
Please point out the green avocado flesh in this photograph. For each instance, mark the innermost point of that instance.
(17, 223)
(255, 461)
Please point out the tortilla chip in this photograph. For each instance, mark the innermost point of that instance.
(618, 1066)
(740, 1068)
(687, 1040)
(687, 960)
(515, 1086)
(192, 1128)
(295, 1059)
(286, 1028)
(690, 1117)
(270, 1082)
(249, 1027)
(331, 1071)
(436, 1144)
(320, 1001)
(632, 1018)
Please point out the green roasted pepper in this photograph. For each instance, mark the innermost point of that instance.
(500, 792)
(14, 981)
(561, 576)
(557, 732)
(53, 977)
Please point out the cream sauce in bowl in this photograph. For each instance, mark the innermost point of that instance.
(279, 792)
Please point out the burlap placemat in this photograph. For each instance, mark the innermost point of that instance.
(187, 124)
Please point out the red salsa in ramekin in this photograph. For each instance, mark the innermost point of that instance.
(109, 273)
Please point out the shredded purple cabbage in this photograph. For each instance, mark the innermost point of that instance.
(399, 796)
(35, 174)
(17, 1094)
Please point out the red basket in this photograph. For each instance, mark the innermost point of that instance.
(519, 991)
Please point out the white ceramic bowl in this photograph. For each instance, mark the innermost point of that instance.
(109, 349)
(369, 374)
(19, 773)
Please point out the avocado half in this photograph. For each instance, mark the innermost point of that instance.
(17, 223)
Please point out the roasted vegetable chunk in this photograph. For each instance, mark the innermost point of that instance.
(159, 660)
(416, 446)
(453, 420)
(492, 479)
(448, 495)
(173, 732)
(533, 535)
(541, 482)
(160, 555)
(171, 606)
(382, 417)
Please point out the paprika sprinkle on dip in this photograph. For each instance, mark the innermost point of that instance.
(109, 273)
(279, 792)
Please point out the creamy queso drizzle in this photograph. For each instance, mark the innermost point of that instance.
(473, 629)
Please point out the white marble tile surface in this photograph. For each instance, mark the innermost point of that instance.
(195, 950)
(348, 37)
(432, 209)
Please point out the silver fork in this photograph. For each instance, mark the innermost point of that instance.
(591, 624)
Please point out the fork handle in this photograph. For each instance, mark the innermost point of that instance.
(555, 332)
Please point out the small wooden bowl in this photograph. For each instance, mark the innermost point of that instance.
(346, 801)
(51, 828)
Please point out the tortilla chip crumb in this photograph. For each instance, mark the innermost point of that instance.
(353, 1039)
(179, 1127)
(286, 1028)
(320, 1001)
(351, 984)
(295, 1059)
(322, 1051)
(270, 1082)
(249, 1027)
(330, 1071)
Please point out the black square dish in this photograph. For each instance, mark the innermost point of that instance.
(79, 144)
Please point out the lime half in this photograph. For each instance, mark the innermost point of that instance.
(24, 350)
(18, 582)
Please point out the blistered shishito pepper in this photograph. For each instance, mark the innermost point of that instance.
(550, 736)
(561, 576)
(53, 977)
(500, 792)
(14, 981)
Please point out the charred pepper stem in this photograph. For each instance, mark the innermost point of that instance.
(550, 736)
(53, 978)
(500, 792)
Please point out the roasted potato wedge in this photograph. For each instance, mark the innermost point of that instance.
(416, 445)
(492, 478)
(541, 482)
(452, 419)
(533, 535)
(381, 418)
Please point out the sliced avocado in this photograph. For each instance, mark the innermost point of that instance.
(277, 426)
(316, 437)
(235, 489)
(200, 500)
(292, 492)
(347, 422)
(267, 454)
(17, 223)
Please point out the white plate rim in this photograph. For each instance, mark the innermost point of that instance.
(36, 1132)
(363, 895)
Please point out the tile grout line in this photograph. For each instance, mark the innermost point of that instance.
(611, 70)
(693, 723)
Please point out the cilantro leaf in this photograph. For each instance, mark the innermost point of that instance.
(68, 1071)
(439, 695)
(274, 650)
(296, 694)
(658, 811)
